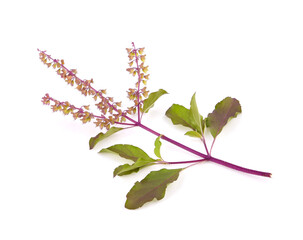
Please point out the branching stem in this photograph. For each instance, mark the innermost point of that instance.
(203, 156)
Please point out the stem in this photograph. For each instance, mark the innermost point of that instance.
(204, 156)
(238, 168)
(126, 124)
(83, 82)
(185, 162)
(205, 146)
(191, 165)
(211, 148)
(203, 140)
(173, 141)
(139, 80)
(77, 108)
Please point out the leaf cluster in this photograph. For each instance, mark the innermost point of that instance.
(224, 111)
(154, 185)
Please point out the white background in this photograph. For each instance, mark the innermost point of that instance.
(53, 187)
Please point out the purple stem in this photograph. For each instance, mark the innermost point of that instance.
(139, 81)
(204, 156)
(126, 124)
(205, 146)
(238, 168)
(185, 162)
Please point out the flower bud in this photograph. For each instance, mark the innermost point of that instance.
(142, 58)
(145, 69)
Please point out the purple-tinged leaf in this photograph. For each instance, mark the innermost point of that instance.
(135, 167)
(225, 110)
(152, 186)
(128, 151)
(94, 140)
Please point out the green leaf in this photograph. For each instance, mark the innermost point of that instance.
(148, 103)
(124, 170)
(135, 167)
(157, 147)
(196, 117)
(193, 134)
(183, 116)
(127, 151)
(152, 186)
(179, 115)
(203, 124)
(225, 110)
(94, 140)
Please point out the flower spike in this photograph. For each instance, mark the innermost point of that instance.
(106, 105)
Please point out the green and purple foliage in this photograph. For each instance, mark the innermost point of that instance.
(111, 113)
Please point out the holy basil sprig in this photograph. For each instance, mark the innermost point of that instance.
(154, 185)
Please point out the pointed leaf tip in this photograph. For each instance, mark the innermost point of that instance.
(149, 102)
(196, 117)
(135, 167)
(152, 186)
(179, 114)
(128, 151)
(193, 134)
(99, 137)
(225, 110)
(157, 147)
